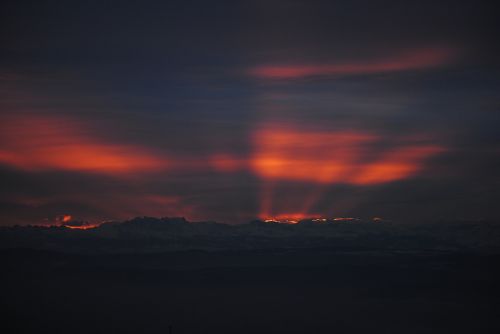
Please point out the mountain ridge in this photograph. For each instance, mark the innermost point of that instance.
(149, 234)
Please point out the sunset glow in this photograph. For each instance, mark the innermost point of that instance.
(249, 167)
(321, 158)
(52, 143)
(291, 218)
(301, 155)
(279, 153)
(82, 227)
(333, 157)
(397, 164)
(409, 60)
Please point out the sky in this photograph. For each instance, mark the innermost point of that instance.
(237, 110)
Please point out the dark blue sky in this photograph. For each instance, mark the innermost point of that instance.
(233, 110)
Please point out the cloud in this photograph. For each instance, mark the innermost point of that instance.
(343, 156)
(316, 159)
(409, 60)
(38, 143)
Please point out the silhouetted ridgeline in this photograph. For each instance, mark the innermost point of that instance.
(148, 234)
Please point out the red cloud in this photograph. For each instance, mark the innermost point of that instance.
(320, 158)
(416, 59)
(289, 153)
(55, 143)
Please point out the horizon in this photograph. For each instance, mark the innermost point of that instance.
(75, 224)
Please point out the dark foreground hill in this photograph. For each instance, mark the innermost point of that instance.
(146, 275)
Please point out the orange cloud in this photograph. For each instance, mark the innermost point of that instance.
(311, 156)
(412, 60)
(55, 143)
(289, 153)
(321, 158)
(395, 165)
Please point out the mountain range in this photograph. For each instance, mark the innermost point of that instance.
(149, 235)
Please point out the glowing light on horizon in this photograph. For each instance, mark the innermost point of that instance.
(344, 219)
(281, 221)
(291, 218)
(82, 227)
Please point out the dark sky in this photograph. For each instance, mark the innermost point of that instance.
(232, 110)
